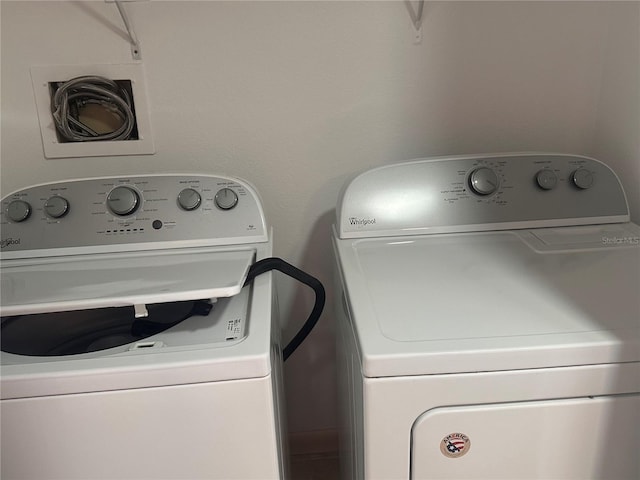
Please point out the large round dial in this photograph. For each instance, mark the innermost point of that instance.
(19, 210)
(582, 178)
(226, 199)
(56, 206)
(123, 201)
(546, 179)
(189, 199)
(483, 181)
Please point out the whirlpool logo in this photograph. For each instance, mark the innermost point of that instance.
(7, 242)
(361, 222)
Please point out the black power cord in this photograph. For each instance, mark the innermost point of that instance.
(274, 263)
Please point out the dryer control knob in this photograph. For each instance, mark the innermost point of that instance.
(189, 199)
(582, 178)
(56, 207)
(483, 181)
(123, 201)
(19, 210)
(546, 179)
(226, 199)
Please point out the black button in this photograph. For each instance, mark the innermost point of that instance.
(157, 224)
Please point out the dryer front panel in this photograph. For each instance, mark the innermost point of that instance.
(570, 439)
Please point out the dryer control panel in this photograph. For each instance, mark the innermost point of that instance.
(130, 213)
(480, 193)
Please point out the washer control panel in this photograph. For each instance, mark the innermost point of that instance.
(481, 192)
(114, 213)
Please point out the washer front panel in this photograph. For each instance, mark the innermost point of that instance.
(129, 213)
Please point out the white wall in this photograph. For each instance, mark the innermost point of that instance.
(298, 96)
(617, 138)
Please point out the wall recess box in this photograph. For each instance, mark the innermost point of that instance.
(43, 76)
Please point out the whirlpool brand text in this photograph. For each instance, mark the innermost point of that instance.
(363, 222)
(7, 242)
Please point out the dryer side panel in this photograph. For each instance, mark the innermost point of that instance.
(351, 396)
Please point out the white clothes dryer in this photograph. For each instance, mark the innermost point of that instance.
(131, 347)
(489, 322)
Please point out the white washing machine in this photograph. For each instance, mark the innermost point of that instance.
(489, 326)
(130, 349)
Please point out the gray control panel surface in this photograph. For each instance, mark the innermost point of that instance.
(480, 192)
(130, 213)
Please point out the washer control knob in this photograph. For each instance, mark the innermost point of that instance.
(546, 179)
(189, 199)
(56, 207)
(582, 178)
(19, 210)
(123, 201)
(226, 199)
(483, 181)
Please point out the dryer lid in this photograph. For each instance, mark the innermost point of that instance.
(490, 301)
(110, 280)
(493, 285)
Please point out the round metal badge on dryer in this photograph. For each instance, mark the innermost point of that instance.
(455, 445)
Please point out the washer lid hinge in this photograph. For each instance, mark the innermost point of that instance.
(141, 311)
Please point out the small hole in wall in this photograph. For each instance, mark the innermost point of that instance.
(91, 118)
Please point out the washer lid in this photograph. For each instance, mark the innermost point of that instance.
(201, 349)
(490, 301)
(117, 279)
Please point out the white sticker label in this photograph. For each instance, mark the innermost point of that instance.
(234, 329)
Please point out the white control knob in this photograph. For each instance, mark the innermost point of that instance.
(189, 199)
(483, 181)
(582, 178)
(226, 199)
(123, 201)
(19, 210)
(56, 207)
(546, 179)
